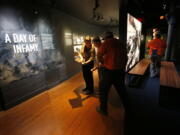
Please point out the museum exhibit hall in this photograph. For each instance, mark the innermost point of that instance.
(89, 67)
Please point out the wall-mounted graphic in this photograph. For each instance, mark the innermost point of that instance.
(78, 41)
(133, 41)
(47, 41)
(21, 43)
(26, 46)
(77, 54)
(68, 39)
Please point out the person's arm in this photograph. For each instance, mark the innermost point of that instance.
(101, 53)
(82, 54)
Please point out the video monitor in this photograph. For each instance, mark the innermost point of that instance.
(134, 27)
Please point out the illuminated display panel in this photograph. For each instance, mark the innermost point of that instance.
(133, 41)
(78, 41)
(77, 55)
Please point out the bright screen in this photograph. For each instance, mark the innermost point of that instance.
(133, 41)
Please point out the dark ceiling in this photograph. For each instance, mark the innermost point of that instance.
(99, 12)
(150, 11)
(106, 12)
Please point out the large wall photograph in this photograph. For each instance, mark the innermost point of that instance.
(26, 46)
(133, 41)
(29, 58)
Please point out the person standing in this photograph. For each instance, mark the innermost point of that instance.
(113, 55)
(88, 55)
(157, 48)
(97, 44)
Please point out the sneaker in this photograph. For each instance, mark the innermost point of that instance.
(99, 110)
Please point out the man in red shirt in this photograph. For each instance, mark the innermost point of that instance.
(157, 48)
(113, 56)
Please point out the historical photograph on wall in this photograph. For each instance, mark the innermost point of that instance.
(78, 41)
(27, 47)
(133, 41)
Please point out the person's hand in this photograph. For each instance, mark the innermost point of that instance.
(78, 60)
(100, 65)
(93, 69)
(83, 62)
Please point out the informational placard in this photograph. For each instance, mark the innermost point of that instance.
(47, 41)
(68, 39)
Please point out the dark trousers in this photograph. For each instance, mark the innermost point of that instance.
(88, 76)
(155, 65)
(100, 72)
(109, 78)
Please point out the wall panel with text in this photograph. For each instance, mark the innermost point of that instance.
(28, 55)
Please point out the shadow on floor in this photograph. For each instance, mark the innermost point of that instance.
(77, 102)
(113, 99)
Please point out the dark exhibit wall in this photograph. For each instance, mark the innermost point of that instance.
(175, 45)
(36, 50)
(115, 30)
(69, 29)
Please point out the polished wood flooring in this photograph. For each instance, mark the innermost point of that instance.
(62, 110)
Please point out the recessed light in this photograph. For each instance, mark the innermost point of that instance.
(36, 12)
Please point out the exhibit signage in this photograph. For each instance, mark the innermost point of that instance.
(22, 43)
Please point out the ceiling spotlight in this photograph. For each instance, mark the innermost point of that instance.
(35, 12)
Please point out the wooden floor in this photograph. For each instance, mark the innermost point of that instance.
(62, 111)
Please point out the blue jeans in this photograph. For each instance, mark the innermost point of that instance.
(155, 65)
